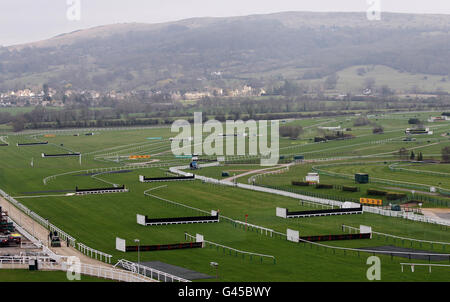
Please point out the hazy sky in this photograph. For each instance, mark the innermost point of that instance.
(31, 20)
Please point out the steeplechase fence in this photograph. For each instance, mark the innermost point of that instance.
(402, 240)
(144, 220)
(285, 213)
(169, 178)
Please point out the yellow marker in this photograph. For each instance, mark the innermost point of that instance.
(378, 202)
(138, 156)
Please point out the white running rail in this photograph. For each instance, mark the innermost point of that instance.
(412, 265)
(233, 249)
(397, 237)
(98, 271)
(93, 253)
(143, 270)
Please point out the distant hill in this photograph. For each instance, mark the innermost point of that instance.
(257, 50)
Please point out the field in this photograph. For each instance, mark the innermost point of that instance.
(350, 80)
(20, 275)
(96, 220)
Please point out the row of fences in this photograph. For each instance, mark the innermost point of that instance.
(22, 262)
(114, 150)
(410, 254)
(383, 141)
(429, 199)
(405, 215)
(395, 167)
(252, 179)
(93, 253)
(411, 186)
(232, 251)
(90, 129)
(311, 194)
(429, 265)
(235, 223)
(45, 223)
(331, 200)
(95, 271)
(254, 160)
(416, 198)
(110, 169)
(438, 245)
(134, 149)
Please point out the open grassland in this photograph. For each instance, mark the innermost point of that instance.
(20, 275)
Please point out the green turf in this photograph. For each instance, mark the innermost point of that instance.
(20, 275)
(96, 220)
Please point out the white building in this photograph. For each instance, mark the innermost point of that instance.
(330, 128)
(433, 119)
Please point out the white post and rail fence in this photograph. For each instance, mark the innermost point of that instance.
(63, 235)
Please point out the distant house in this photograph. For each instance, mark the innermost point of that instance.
(418, 131)
(433, 119)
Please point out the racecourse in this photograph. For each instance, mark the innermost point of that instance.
(96, 220)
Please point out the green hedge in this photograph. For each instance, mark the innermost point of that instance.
(395, 196)
(300, 183)
(376, 192)
(324, 186)
(350, 189)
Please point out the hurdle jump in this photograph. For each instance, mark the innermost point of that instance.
(121, 246)
(144, 220)
(100, 190)
(170, 178)
(60, 155)
(365, 232)
(31, 144)
(284, 213)
(336, 237)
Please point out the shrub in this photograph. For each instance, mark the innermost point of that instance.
(350, 189)
(395, 196)
(378, 130)
(319, 139)
(290, 131)
(361, 121)
(300, 183)
(376, 192)
(414, 121)
(446, 155)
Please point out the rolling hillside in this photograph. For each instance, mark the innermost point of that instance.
(258, 50)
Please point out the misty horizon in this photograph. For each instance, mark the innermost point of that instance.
(26, 26)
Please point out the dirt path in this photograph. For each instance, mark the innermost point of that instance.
(437, 213)
(41, 233)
